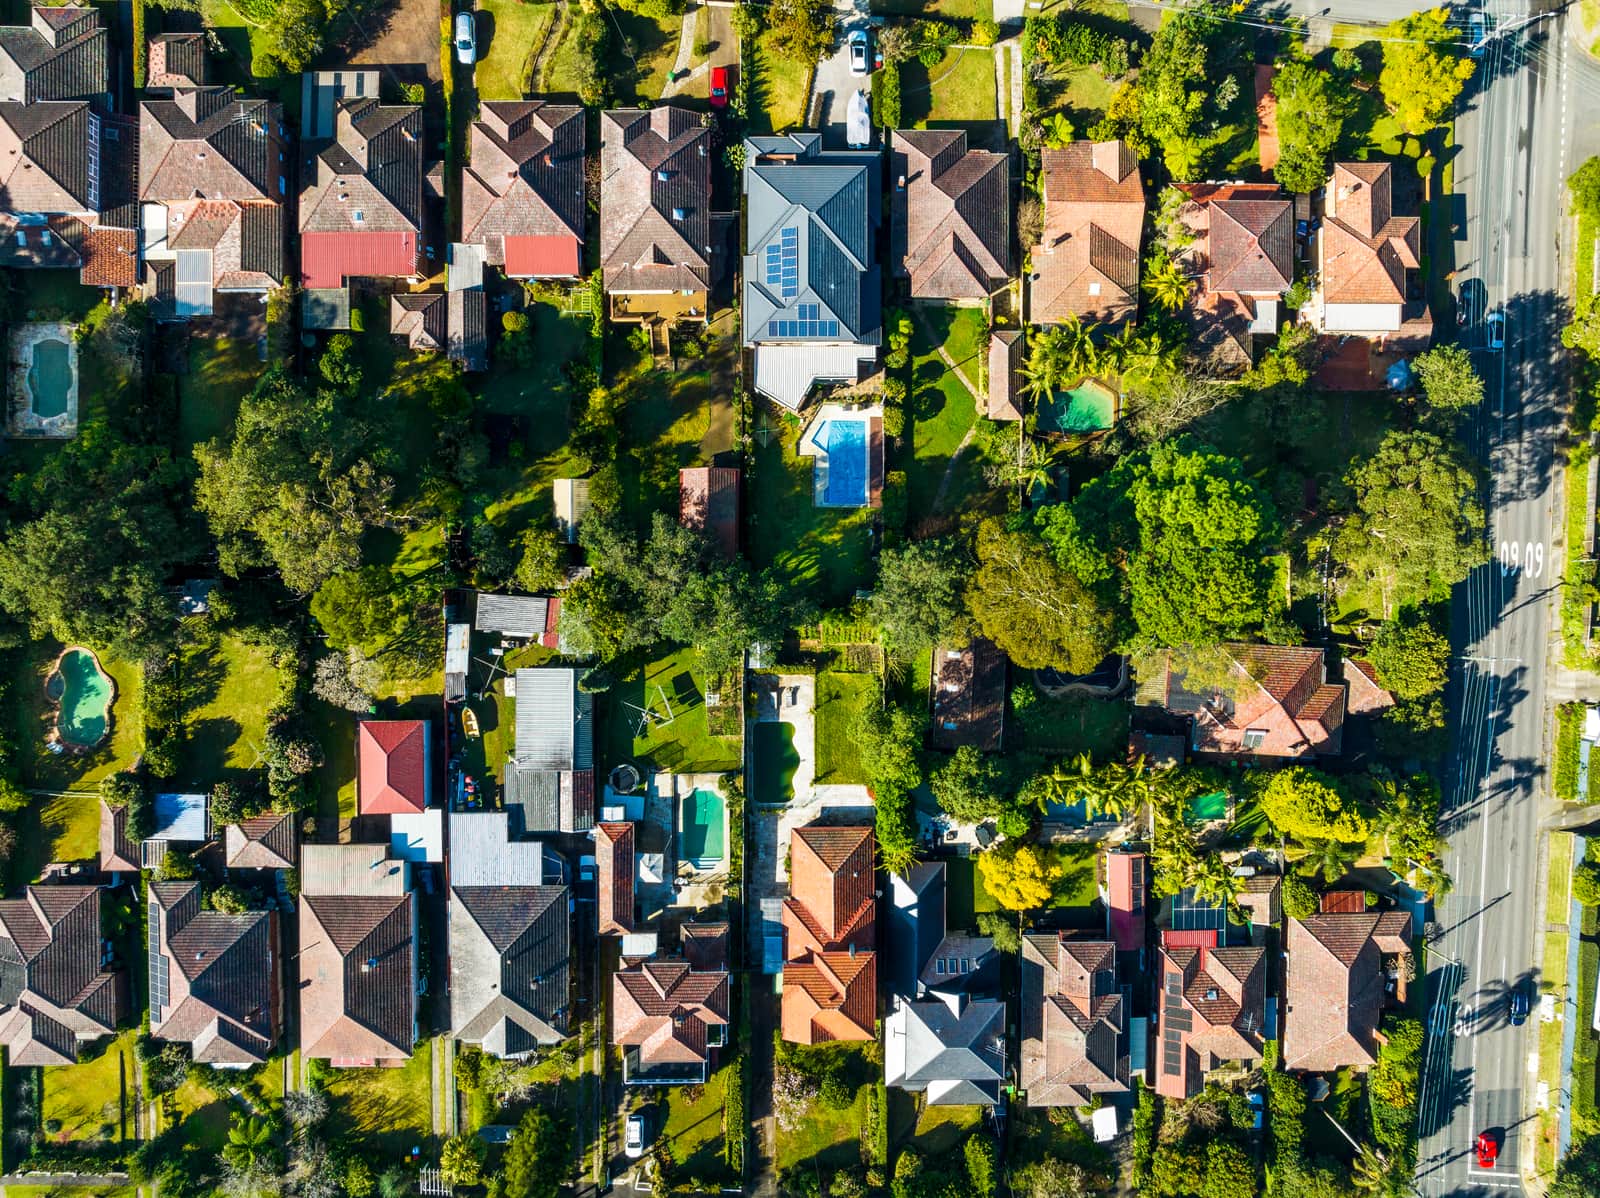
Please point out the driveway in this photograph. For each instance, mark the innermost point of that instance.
(834, 82)
(403, 40)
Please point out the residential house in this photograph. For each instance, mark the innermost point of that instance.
(1127, 900)
(67, 189)
(1366, 695)
(213, 180)
(950, 216)
(655, 214)
(1086, 265)
(358, 955)
(1242, 261)
(262, 842)
(522, 194)
(830, 975)
(394, 767)
(1074, 1021)
(812, 305)
(175, 61)
(361, 207)
(1365, 258)
(510, 938)
(708, 502)
(1282, 706)
(118, 853)
(669, 1015)
(614, 868)
(1336, 985)
(1005, 360)
(550, 774)
(968, 696)
(518, 618)
(57, 997)
(213, 977)
(1261, 900)
(60, 54)
(452, 322)
(1212, 1008)
(945, 1033)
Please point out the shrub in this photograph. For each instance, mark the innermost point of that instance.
(985, 32)
(886, 96)
(894, 420)
(141, 49)
(414, 93)
(1299, 900)
(930, 56)
(1586, 883)
(358, 319)
(264, 65)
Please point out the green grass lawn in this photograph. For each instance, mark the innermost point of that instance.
(947, 9)
(960, 87)
(932, 1131)
(654, 45)
(821, 550)
(694, 1128)
(942, 406)
(386, 1109)
(32, 716)
(228, 689)
(1083, 93)
(518, 30)
(780, 88)
(236, 33)
(773, 762)
(828, 1138)
(204, 1114)
(685, 745)
(840, 699)
(666, 421)
(94, 1100)
(1071, 725)
(221, 370)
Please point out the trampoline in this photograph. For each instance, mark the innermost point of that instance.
(846, 444)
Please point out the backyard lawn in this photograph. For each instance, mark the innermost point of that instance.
(228, 689)
(824, 550)
(387, 1109)
(510, 33)
(827, 1138)
(221, 370)
(951, 10)
(942, 403)
(694, 1127)
(92, 1101)
(654, 45)
(683, 745)
(204, 1114)
(840, 699)
(960, 87)
(32, 716)
(780, 88)
(931, 1131)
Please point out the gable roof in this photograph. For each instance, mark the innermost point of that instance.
(510, 966)
(1367, 249)
(613, 853)
(830, 996)
(655, 199)
(1074, 1022)
(1284, 701)
(663, 1009)
(831, 889)
(708, 501)
(1087, 262)
(555, 720)
(118, 854)
(213, 977)
(525, 183)
(262, 842)
(176, 60)
(1127, 898)
(45, 164)
(366, 185)
(950, 214)
(1213, 1004)
(1005, 357)
(1334, 986)
(392, 766)
(54, 991)
(61, 54)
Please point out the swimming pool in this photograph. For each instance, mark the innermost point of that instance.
(702, 826)
(83, 693)
(49, 378)
(846, 444)
(1090, 407)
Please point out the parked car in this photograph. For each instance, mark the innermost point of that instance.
(1477, 30)
(466, 40)
(633, 1141)
(858, 121)
(860, 52)
(1494, 326)
(1519, 1005)
(719, 87)
(1488, 1149)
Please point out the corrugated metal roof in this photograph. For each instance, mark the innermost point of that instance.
(465, 271)
(571, 497)
(180, 818)
(482, 852)
(551, 257)
(511, 615)
(787, 372)
(555, 721)
(328, 259)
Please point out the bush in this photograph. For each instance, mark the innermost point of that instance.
(264, 65)
(1299, 900)
(1586, 883)
(141, 48)
(414, 93)
(930, 56)
(358, 319)
(985, 32)
(886, 96)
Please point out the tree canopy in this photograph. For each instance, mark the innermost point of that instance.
(1305, 805)
(1410, 656)
(1449, 381)
(1020, 877)
(1312, 108)
(538, 1158)
(1036, 612)
(1423, 69)
(1188, 81)
(917, 599)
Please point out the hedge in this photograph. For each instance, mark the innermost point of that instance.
(1564, 774)
(141, 50)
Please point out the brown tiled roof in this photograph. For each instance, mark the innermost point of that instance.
(1250, 246)
(176, 60)
(110, 258)
(44, 166)
(54, 991)
(1292, 704)
(1334, 986)
(705, 945)
(1074, 1022)
(830, 996)
(421, 317)
(213, 978)
(1367, 694)
(1366, 248)
(663, 1007)
(526, 175)
(1087, 264)
(708, 501)
(1213, 1010)
(613, 852)
(1005, 356)
(950, 230)
(118, 854)
(655, 200)
(261, 842)
(373, 166)
(357, 995)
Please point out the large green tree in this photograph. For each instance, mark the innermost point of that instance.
(917, 599)
(1417, 526)
(1304, 805)
(1410, 656)
(972, 786)
(726, 609)
(1424, 69)
(1036, 612)
(1181, 535)
(538, 1158)
(1449, 381)
(1312, 108)
(1188, 82)
(889, 740)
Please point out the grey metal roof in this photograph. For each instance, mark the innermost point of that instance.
(325, 308)
(947, 1045)
(512, 615)
(555, 721)
(916, 923)
(482, 852)
(181, 818)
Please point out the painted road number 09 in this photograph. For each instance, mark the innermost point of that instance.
(1515, 557)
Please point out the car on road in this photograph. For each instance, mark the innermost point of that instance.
(719, 87)
(1487, 1146)
(1477, 30)
(1494, 328)
(860, 52)
(466, 40)
(1517, 1008)
(633, 1141)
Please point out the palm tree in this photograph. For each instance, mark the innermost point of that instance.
(1330, 858)
(1031, 468)
(1215, 882)
(1369, 1172)
(1165, 285)
(1119, 348)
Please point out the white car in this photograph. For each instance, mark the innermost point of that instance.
(860, 53)
(466, 40)
(633, 1141)
(858, 121)
(1494, 326)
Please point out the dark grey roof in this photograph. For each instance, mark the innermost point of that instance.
(528, 926)
(325, 308)
(946, 1045)
(915, 925)
(63, 56)
(511, 615)
(261, 239)
(818, 214)
(468, 330)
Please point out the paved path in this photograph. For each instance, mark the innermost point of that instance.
(674, 85)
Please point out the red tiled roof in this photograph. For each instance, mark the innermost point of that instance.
(1334, 986)
(1127, 887)
(110, 258)
(541, 257)
(831, 884)
(830, 996)
(613, 853)
(708, 500)
(392, 767)
(329, 259)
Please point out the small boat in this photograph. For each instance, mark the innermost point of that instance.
(469, 721)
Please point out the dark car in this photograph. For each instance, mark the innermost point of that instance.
(1519, 1006)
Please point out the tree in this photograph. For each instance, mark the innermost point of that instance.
(228, 804)
(802, 30)
(296, 31)
(1584, 331)
(249, 1146)
(230, 900)
(1578, 1174)
(1299, 900)
(1423, 69)
(1052, 1177)
(377, 611)
(1584, 184)
(1019, 877)
(1179, 534)
(461, 1161)
(1410, 656)
(1417, 527)
(1305, 805)
(971, 786)
(348, 680)
(340, 363)
(896, 42)
(889, 740)
(1229, 1172)
(358, 1179)
(1164, 284)
(1057, 133)
(1331, 859)
(1183, 90)
(981, 1164)
(543, 564)
(1449, 381)
(1312, 108)
(917, 600)
(1586, 883)
(1038, 613)
(537, 1159)
(1002, 929)
(726, 609)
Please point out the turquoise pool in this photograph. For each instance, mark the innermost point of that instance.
(702, 827)
(83, 694)
(1089, 407)
(49, 378)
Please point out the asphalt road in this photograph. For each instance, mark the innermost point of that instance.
(1515, 132)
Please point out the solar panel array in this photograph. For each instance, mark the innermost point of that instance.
(160, 990)
(810, 323)
(783, 263)
(1174, 1019)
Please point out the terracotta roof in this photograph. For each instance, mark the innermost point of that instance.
(705, 945)
(1250, 249)
(1074, 1022)
(1334, 986)
(1367, 694)
(950, 230)
(176, 60)
(831, 886)
(110, 258)
(663, 1009)
(1005, 356)
(392, 769)
(1344, 902)
(613, 852)
(526, 180)
(655, 200)
(830, 996)
(357, 976)
(1212, 1009)
(708, 500)
(262, 842)
(1366, 248)
(213, 977)
(1087, 264)
(118, 854)
(1284, 705)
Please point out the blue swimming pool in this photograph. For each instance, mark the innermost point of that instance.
(702, 821)
(846, 443)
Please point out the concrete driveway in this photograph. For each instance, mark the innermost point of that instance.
(834, 82)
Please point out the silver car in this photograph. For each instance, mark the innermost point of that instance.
(466, 40)
(859, 52)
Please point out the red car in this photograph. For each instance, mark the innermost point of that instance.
(1488, 1149)
(719, 87)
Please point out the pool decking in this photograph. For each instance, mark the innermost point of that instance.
(30, 414)
(812, 446)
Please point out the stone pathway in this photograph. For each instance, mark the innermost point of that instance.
(674, 84)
